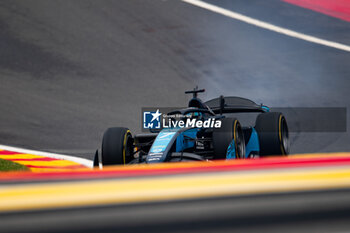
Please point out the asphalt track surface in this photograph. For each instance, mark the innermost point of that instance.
(71, 69)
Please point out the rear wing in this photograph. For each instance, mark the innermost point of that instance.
(233, 104)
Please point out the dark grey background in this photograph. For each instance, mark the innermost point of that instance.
(71, 69)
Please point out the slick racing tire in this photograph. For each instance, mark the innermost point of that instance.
(222, 137)
(273, 134)
(117, 146)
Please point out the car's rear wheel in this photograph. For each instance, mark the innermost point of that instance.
(273, 134)
(117, 146)
(228, 137)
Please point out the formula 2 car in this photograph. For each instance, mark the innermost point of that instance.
(205, 133)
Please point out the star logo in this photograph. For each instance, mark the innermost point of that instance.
(151, 120)
(156, 115)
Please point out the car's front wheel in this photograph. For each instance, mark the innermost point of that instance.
(117, 146)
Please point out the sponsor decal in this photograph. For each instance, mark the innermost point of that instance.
(192, 123)
(155, 119)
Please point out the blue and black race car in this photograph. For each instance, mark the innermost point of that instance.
(205, 133)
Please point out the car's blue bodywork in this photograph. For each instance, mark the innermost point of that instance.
(252, 147)
(183, 139)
